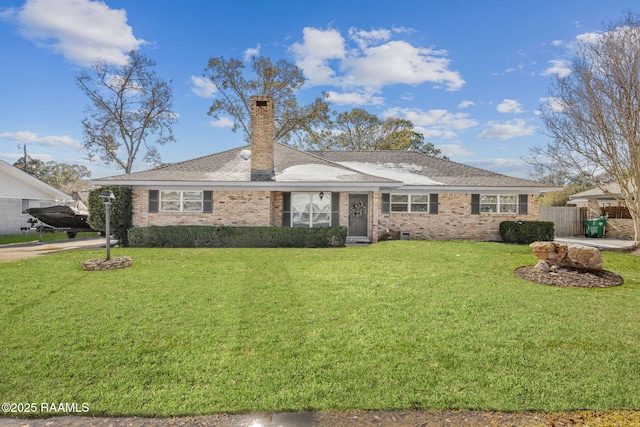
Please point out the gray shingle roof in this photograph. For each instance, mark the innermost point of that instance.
(392, 168)
(419, 169)
(291, 165)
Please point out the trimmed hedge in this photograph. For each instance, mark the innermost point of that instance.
(525, 232)
(198, 236)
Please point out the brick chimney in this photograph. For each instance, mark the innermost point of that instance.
(262, 136)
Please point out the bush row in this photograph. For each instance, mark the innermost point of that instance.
(526, 232)
(198, 236)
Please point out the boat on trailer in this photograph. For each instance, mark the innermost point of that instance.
(68, 216)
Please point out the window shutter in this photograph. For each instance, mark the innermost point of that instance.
(286, 209)
(433, 204)
(475, 204)
(335, 209)
(524, 204)
(386, 202)
(207, 201)
(153, 200)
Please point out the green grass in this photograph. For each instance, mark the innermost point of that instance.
(396, 325)
(46, 237)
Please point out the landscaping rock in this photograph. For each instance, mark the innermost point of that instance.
(581, 256)
(543, 266)
(99, 264)
(568, 255)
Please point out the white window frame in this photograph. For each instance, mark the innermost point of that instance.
(499, 204)
(182, 202)
(409, 203)
(326, 196)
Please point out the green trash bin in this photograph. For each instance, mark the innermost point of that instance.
(595, 227)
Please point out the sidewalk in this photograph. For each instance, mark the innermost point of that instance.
(603, 243)
(19, 251)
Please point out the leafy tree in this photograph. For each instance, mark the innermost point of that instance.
(130, 111)
(33, 167)
(59, 175)
(308, 126)
(594, 118)
(359, 130)
(294, 123)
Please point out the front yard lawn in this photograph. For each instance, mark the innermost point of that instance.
(396, 325)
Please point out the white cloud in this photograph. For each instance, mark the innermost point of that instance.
(355, 98)
(203, 87)
(434, 123)
(589, 37)
(507, 130)
(509, 106)
(251, 52)
(314, 53)
(466, 104)
(223, 122)
(560, 67)
(27, 137)
(398, 62)
(557, 43)
(512, 167)
(554, 104)
(365, 38)
(83, 31)
(451, 150)
(375, 62)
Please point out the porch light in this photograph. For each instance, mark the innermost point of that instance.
(107, 196)
(321, 195)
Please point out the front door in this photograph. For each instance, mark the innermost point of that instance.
(358, 215)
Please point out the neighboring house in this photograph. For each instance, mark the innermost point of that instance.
(609, 200)
(376, 194)
(20, 191)
(610, 196)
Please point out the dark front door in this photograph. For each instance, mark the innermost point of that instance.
(358, 215)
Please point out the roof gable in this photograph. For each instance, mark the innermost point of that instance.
(17, 184)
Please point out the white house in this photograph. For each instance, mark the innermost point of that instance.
(20, 191)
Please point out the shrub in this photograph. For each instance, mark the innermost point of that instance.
(525, 232)
(121, 212)
(198, 236)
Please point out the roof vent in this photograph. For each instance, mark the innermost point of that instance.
(245, 154)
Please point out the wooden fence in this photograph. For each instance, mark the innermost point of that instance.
(568, 221)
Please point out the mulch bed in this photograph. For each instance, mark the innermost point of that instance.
(571, 278)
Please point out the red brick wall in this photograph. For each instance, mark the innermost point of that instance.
(262, 133)
(453, 221)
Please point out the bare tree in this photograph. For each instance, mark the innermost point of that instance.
(594, 113)
(294, 124)
(131, 110)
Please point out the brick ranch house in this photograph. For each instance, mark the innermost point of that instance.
(375, 194)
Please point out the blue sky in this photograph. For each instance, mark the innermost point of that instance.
(470, 74)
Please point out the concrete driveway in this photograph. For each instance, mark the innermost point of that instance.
(20, 251)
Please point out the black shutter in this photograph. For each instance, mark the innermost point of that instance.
(286, 209)
(335, 209)
(475, 204)
(433, 204)
(386, 202)
(524, 204)
(153, 200)
(207, 201)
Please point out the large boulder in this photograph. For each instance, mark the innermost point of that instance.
(566, 255)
